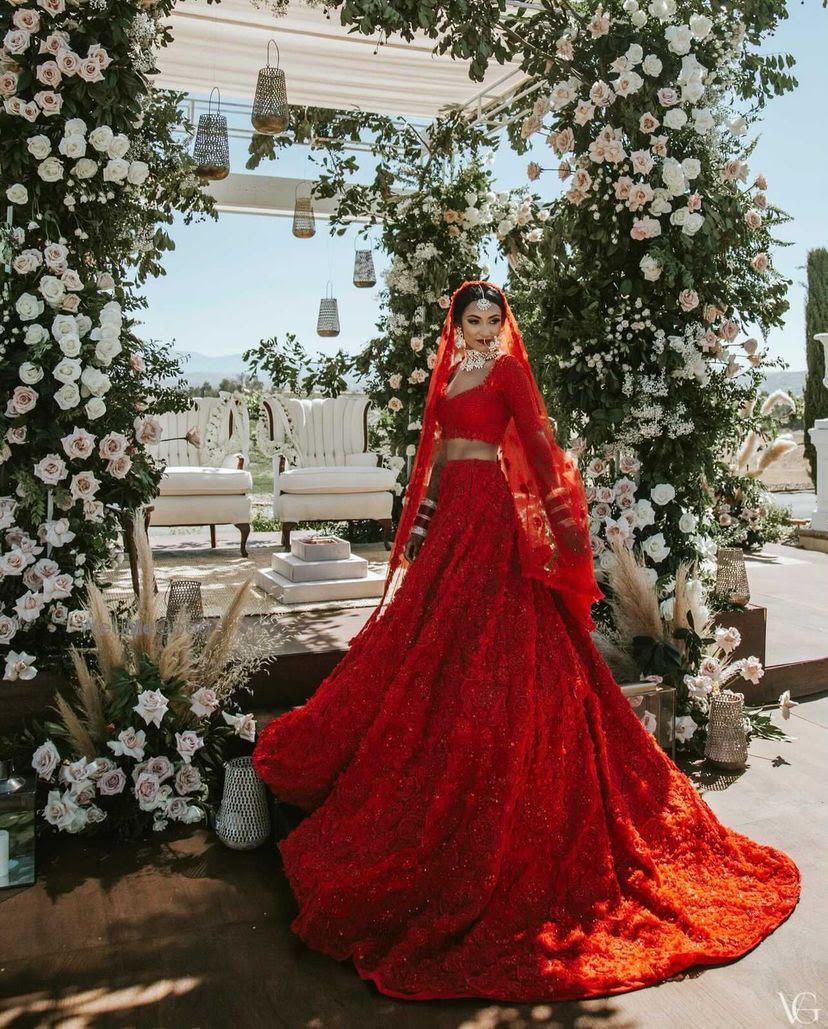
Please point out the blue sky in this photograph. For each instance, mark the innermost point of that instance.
(232, 282)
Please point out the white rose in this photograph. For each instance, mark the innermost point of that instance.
(35, 334)
(107, 350)
(28, 307)
(138, 173)
(30, 373)
(96, 381)
(72, 146)
(187, 743)
(655, 548)
(79, 443)
(675, 118)
(118, 146)
(27, 261)
(662, 493)
(152, 706)
(85, 168)
(39, 147)
(52, 289)
(650, 268)
(67, 397)
(101, 137)
(702, 120)
(692, 223)
(70, 347)
(67, 370)
(688, 522)
(115, 170)
(16, 41)
(652, 65)
(700, 25)
(679, 38)
(95, 408)
(17, 194)
(50, 170)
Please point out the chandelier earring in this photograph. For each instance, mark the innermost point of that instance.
(459, 338)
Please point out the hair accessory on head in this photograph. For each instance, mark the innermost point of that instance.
(483, 303)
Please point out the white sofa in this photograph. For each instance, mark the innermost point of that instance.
(322, 468)
(208, 484)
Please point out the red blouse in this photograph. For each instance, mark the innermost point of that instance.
(483, 412)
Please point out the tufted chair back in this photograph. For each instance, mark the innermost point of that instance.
(323, 430)
(223, 426)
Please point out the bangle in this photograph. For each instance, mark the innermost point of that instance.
(418, 530)
(428, 502)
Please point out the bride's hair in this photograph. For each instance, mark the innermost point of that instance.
(475, 291)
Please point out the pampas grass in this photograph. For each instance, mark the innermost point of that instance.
(779, 398)
(634, 602)
(90, 696)
(108, 643)
(747, 450)
(144, 639)
(74, 729)
(219, 646)
(781, 445)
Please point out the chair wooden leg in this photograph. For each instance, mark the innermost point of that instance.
(213, 536)
(386, 532)
(287, 528)
(244, 529)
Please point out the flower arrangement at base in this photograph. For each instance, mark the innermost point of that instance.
(679, 644)
(142, 742)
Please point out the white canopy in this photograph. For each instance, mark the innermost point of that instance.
(225, 44)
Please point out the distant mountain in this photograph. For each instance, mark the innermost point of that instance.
(791, 382)
(200, 368)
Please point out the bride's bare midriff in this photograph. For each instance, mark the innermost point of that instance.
(458, 449)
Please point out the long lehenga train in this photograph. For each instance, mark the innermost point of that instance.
(488, 817)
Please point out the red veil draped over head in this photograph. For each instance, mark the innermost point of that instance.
(533, 464)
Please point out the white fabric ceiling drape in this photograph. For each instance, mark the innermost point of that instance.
(225, 44)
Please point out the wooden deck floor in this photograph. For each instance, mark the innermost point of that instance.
(189, 934)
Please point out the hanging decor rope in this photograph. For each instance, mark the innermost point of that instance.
(328, 322)
(211, 150)
(271, 112)
(304, 220)
(365, 274)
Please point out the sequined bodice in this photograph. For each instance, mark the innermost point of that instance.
(481, 412)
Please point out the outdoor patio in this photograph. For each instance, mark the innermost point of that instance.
(193, 934)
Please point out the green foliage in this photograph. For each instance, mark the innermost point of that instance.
(816, 320)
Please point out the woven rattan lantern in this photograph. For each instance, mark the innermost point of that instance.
(184, 595)
(304, 221)
(731, 576)
(365, 275)
(211, 150)
(271, 113)
(328, 321)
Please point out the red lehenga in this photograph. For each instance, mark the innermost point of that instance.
(488, 816)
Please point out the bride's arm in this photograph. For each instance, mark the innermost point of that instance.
(438, 462)
(539, 441)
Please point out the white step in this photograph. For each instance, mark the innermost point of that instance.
(288, 592)
(298, 570)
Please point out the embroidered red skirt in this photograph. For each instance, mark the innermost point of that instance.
(488, 817)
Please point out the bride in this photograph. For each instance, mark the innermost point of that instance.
(487, 817)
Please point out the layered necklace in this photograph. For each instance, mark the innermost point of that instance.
(475, 359)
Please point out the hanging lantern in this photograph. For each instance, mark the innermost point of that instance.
(304, 222)
(211, 151)
(271, 113)
(731, 576)
(328, 322)
(364, 274)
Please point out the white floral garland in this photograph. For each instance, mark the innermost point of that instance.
(211, 449)
(289, 447)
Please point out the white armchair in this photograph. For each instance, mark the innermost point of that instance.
(208, 483)
(322, 468)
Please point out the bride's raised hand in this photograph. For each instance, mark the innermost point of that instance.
(412, 546)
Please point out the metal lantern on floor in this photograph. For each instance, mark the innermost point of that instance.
(211, 150)
(17, 827)
(726, 744)
(365, 275)
(304, 221)
(328, 322)
(243, 817)
(271, 113)
(731, 576)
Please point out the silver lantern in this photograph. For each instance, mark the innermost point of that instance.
(365, 275)
(243, 818)
(304, 220)
(726, 744)
(271, 113)
(327, 323)
(211, 150)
